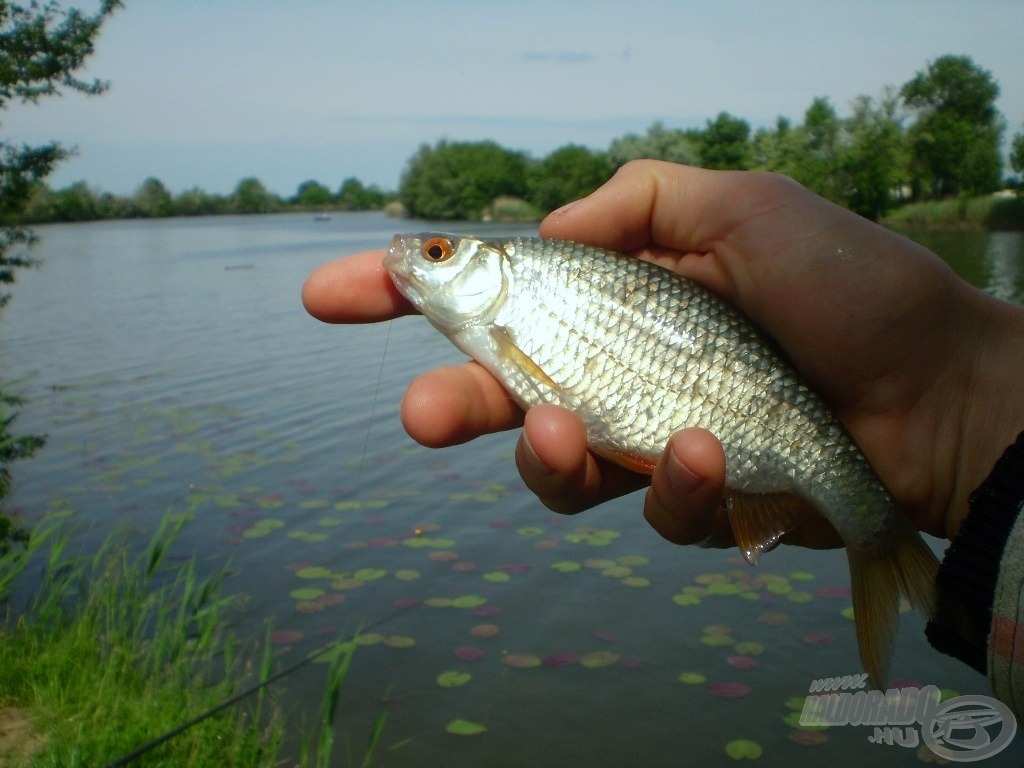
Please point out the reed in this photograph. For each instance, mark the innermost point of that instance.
(113, 650)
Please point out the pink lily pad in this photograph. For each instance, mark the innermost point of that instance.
(514, 568)
(285, 636)
(561, 659)
(742, 662)
(521, 660)
(484, 630)
(773, 619)
(819, 638)
(605, 636)
(833, 590)
(443, 556)
(486, 610)
(469, 653)
(808, 738)
(728, 690)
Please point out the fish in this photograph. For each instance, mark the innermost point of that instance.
(640, 352)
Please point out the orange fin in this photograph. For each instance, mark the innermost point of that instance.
(522, 360)
(876, 608)
(628, 460)
(906, 566)
(759, 520)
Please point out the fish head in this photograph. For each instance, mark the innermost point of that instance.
(454, 281)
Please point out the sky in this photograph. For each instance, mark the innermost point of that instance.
(207, 92)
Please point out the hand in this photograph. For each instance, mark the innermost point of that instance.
(923, 369)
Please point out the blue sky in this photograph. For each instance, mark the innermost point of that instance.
(206, 92)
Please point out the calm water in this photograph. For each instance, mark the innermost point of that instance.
(173, 368)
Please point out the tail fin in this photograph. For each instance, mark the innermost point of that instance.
(878, 577)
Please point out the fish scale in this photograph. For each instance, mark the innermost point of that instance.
(639, 352)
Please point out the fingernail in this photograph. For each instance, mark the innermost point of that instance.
(680, 476)
(531, 456)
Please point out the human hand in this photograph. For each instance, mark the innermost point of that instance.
(920, 366)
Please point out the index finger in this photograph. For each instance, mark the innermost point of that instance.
(355, 289)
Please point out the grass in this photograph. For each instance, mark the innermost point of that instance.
(113, 651)
(993, 212)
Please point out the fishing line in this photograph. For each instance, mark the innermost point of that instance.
(373, 407)
(164, 737)
(231, 701)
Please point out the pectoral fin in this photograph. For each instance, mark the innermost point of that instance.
(759, 520)
(510, 351)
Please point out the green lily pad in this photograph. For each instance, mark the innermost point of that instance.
(453, 679)
(743, 749)
(313, 572)
(565, 566)
(462, 727)
(305, 594)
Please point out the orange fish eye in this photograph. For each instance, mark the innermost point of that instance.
(438, 249)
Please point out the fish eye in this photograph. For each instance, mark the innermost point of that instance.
(438, 249)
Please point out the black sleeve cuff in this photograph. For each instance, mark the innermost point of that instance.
(966, 580)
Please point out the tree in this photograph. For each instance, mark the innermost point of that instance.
(567, 174)
(354, 196)
(659, 143)
(1017, 153)
(819, 164)
(724, 144)
(874, 164)
(152, 199)
(954, 142)
(458, 180)
(41, 47)
(250, 196)
(313, 194)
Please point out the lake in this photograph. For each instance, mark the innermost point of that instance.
(173, 368)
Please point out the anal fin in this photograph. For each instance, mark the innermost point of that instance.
(759, 520)
(630, 461)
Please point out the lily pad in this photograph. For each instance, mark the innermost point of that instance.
(453, 679)
(521, 660)
(598, 659)
(743, 749)
(692, 678)
(462, 727)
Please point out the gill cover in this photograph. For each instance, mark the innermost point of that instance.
(455, 282)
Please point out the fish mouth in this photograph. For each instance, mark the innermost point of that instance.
(403, 277)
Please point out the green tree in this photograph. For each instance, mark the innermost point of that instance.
(458, 180)
(250, 196)
(567, 174)
(196, 202)
(41, 47)
(313, 194)
(353, 195)
(874, 163)
(954, 141)
(152, 199)
(725, 144)
(659, 143)
(819, 163)
(1017, 153)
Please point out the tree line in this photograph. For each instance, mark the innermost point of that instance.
(937, 136)
(80, 202)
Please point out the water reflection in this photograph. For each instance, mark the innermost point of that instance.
(993, 261)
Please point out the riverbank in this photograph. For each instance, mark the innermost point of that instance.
(998, 212)
(113, 651)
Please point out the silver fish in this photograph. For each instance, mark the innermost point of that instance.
(639, 352)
